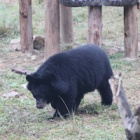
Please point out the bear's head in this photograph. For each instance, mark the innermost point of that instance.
(45, 89)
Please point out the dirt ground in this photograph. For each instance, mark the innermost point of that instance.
(10, 59)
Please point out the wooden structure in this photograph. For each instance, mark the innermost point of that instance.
(95, 21)
(53, 18)
(131, 121)
(131, 31)
(52, 26)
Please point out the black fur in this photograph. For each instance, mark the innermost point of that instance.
(65, 77)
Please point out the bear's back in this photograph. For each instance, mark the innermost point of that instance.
(90, 65)
(87, 64)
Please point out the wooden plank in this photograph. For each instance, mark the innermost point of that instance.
(52, 28)
(66, 25)
(95, 25)
(131, 31)
(26, 33)
(80, 3)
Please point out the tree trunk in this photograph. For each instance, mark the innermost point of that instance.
(66, 25)
(95, 25)
(26, 33)
(52, 28)
(131, 31)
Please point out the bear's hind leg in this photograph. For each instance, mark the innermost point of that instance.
(106, 94)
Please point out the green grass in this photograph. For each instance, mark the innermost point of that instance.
(19, 118)
(9, 24)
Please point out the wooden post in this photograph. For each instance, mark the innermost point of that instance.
(95, 25)
(131, 31)
(52, 28)
(26, 33)
(66, 25)
(138, 5)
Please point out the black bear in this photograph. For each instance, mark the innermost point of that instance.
(65, 77)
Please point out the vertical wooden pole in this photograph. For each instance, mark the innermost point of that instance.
(138, 5)
(52, 28)
(131, 31)
(26, 32)
(66, 25)
(95, 25)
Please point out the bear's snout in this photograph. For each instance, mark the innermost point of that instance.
(40, 104)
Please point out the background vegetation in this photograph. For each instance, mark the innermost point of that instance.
(19, 118)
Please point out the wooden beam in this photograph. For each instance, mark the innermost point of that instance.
(131, 31)
(52, 28)
(66, 25)
(26, 32)
(138, 5)
(95, 25)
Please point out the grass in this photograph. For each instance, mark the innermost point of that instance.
(19, 118)
(9, 27)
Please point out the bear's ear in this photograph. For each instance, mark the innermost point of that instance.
(29, 78)
(32, 78)
(60, 85)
